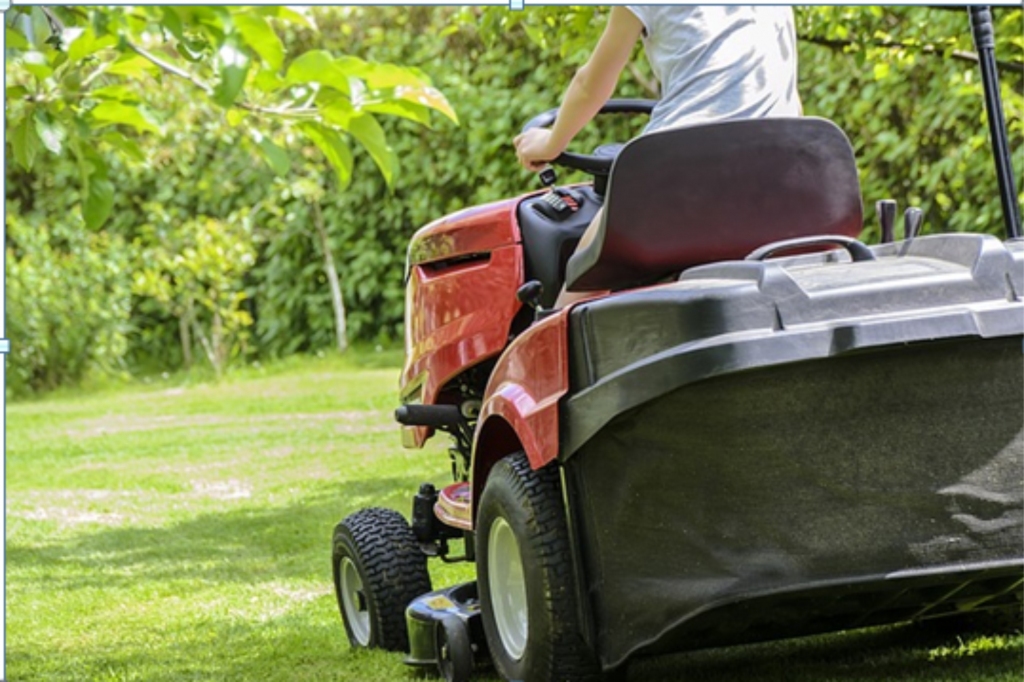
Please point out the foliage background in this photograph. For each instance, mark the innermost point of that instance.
(199, 208)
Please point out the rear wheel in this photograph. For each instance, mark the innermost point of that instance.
(524, 568)
(378, 570)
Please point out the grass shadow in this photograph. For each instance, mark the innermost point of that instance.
(248, 544)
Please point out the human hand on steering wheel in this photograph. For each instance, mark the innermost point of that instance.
(534, 148)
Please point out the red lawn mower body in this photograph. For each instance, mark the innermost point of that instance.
(461, 301)
(615, 390)
(755, 426)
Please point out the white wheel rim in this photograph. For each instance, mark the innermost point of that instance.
(354, 601)
(507, 588)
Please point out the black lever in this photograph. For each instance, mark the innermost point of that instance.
(886, 209)
(530, 293)
(912, 219)
(547, 176)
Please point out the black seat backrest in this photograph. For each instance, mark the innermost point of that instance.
(686, 196)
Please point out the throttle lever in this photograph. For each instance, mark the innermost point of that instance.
(886, 209)
(912, 219)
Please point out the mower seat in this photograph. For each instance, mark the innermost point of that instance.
(704, 193)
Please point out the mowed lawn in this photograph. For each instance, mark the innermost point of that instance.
(165, 532)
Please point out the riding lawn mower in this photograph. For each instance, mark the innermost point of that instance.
(755, 426)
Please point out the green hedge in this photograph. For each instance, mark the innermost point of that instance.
(915, 118)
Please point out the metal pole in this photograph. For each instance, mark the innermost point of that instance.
(985, 43)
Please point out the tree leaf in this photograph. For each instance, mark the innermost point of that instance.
(335, 109)
(41, 29)
(14, 92)
(98, 202)
(367, 130)
(293, 15)
(391, 75)
(51, 134)
(234, 116)
(308, 67)
(35, 62)
(192, 50)
(15, 40)
(275, 157)
(333, 147)
(407, 110)
(267, 80)
(126, 145)
(121, 93)
(352, 66)
(258, 34)
(24, 143)
(171, 20)
(318, 66)
(233, 66)
(211, 17)
(133, 66)
(105, 23)
(86, 43)
(425, 96)
(111, 111)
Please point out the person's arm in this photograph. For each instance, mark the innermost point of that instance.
(590, 88)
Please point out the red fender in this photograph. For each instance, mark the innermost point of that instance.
(520, 406)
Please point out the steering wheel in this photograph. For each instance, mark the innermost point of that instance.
(594, 164)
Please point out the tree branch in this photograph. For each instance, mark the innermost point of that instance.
(331, 271)
(56, 25)
(100, 70)
(1010, 67)
(304, 112)
(170, 68)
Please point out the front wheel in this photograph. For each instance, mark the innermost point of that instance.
(527, 587)
(378, 569)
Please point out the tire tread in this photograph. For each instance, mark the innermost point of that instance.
(392, 567)
(566, 656)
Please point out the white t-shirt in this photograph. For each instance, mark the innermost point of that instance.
(717, 62)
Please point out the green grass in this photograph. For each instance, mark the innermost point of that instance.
(181, 531)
